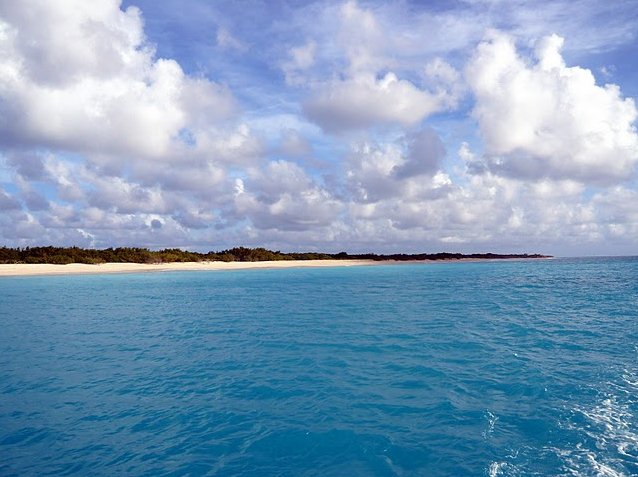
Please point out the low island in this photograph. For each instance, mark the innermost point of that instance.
(76, 260)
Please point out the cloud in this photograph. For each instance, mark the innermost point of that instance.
(395, 172)
(361, 36)
(81, 77)
(125, 197)
(540, 118)
(28, 165)
(301, 58)
(425, 152)
(365, 101)
(31, 197)
(106, 140)
(293, 144)
(21, 228)
(8, 202)
(361, 86)
(99, 133)
(282, 196)
(226, 41)
(370, 171)
(34, 200)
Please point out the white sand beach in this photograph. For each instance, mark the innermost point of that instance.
(82, 268)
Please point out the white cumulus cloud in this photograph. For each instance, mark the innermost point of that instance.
(366, 100)
(364, 84)
(541, 118)
(80, 76)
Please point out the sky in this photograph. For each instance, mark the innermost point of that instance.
(359, 126)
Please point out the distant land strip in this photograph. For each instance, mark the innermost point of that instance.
(67, 255)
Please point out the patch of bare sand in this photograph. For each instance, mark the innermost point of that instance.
(82, 268)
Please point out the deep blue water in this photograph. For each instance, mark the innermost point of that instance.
(459, 369)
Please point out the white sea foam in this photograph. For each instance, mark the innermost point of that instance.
(630, 379)
(491, 422)
(611, 425)
(503, 469)
(580, 462)
(496, 468)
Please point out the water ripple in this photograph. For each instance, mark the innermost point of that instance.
(495, 369)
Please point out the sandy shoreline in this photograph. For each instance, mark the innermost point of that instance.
(24, 269)
(7, 270)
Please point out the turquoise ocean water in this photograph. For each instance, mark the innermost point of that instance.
(450, 369)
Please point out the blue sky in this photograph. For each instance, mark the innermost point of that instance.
(477, 125)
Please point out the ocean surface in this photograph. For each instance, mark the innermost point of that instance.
(521, 368)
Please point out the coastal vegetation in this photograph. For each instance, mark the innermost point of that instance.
(65, 255)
